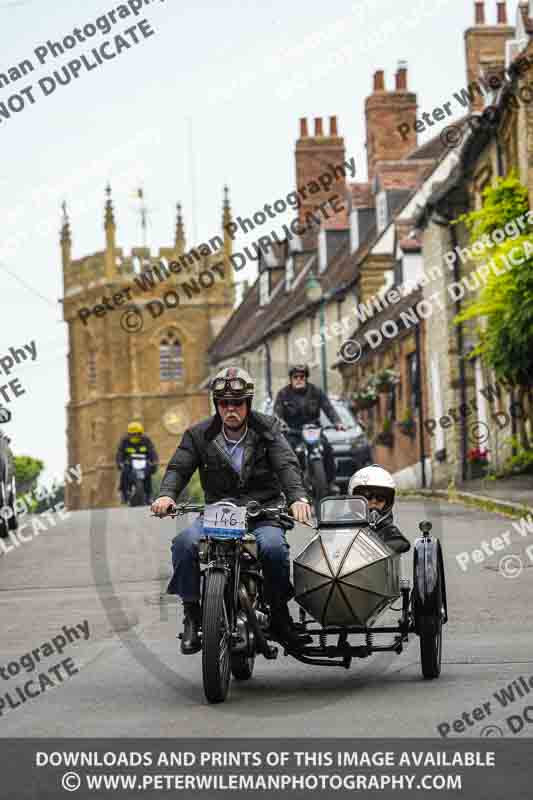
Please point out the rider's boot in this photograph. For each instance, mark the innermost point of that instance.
(190, 640)
(281, 627)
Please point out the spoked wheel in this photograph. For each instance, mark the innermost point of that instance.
(319, 482)
(242, 666)
(431, 653)
(216, 639)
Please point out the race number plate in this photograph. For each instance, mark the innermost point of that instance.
(225, 521)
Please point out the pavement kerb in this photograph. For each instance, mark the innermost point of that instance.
(467, 498)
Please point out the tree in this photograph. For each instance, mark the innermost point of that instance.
(27, 470)
(505, 303)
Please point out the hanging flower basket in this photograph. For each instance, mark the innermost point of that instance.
(385, 381)
(385, 438)
(362, 404)
(365, 399)
(407, 427)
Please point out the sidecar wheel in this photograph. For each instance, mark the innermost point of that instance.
(242, 666)
(431, 653)
(216, 639)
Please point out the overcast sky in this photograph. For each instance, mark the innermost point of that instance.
(236, 75)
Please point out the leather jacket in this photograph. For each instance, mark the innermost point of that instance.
(269, 466)
(303, 408)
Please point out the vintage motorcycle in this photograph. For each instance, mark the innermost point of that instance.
(344, 578)
(307, 444)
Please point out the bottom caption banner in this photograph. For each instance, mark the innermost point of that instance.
(206, 768)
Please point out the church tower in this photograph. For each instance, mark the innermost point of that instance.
(139, 326)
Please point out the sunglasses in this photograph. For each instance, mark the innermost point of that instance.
(299, 376)
(371, 494)
(228, 403)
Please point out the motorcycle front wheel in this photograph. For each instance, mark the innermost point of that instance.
(216, 639)
(138, 497)
(319, 482)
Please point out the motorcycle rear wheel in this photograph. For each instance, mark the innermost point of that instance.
(216, 639)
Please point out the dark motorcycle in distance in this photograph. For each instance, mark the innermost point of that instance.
(308, 446)
(137, 469)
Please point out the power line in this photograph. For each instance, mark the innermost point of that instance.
(26, 285)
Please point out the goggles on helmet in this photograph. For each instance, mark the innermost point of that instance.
(234, 386)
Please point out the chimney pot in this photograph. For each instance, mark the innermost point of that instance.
(333, 126)
(401, 76)
(480, 13)
(303, 128)
(502, 13)
(318, 126)
(379, 81)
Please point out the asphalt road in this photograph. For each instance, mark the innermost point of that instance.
(111, 568)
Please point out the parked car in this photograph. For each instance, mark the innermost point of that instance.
(351, 447)
(8, 493)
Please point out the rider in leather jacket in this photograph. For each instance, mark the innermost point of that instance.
(241, 455)
(299, 403)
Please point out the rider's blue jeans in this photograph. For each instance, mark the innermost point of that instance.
(273, 551)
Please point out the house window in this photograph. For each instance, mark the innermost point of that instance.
(289, 273)
(412, 372)
(170, 358)
(382, 216)
(264, 287)
(322, 251)
(91, 368)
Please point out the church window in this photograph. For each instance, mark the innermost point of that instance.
(170, 358)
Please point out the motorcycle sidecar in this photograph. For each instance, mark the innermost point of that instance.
(346, 577)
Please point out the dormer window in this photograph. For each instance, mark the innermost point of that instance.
(382, 214)
(264, 287)
(289, 273)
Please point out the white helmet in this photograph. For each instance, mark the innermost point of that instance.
(378, 478)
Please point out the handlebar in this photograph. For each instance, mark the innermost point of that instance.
(253, 509)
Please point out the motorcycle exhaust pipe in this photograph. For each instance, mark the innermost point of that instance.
(262, 644)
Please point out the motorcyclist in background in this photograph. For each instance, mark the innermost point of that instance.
(241, 455)
(298, 404)
(136, 442)
(377, 486)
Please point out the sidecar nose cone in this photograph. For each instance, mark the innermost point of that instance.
(346, 577)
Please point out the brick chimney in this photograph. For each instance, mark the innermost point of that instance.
(485, 47)
(315, 156)
(385, 111)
